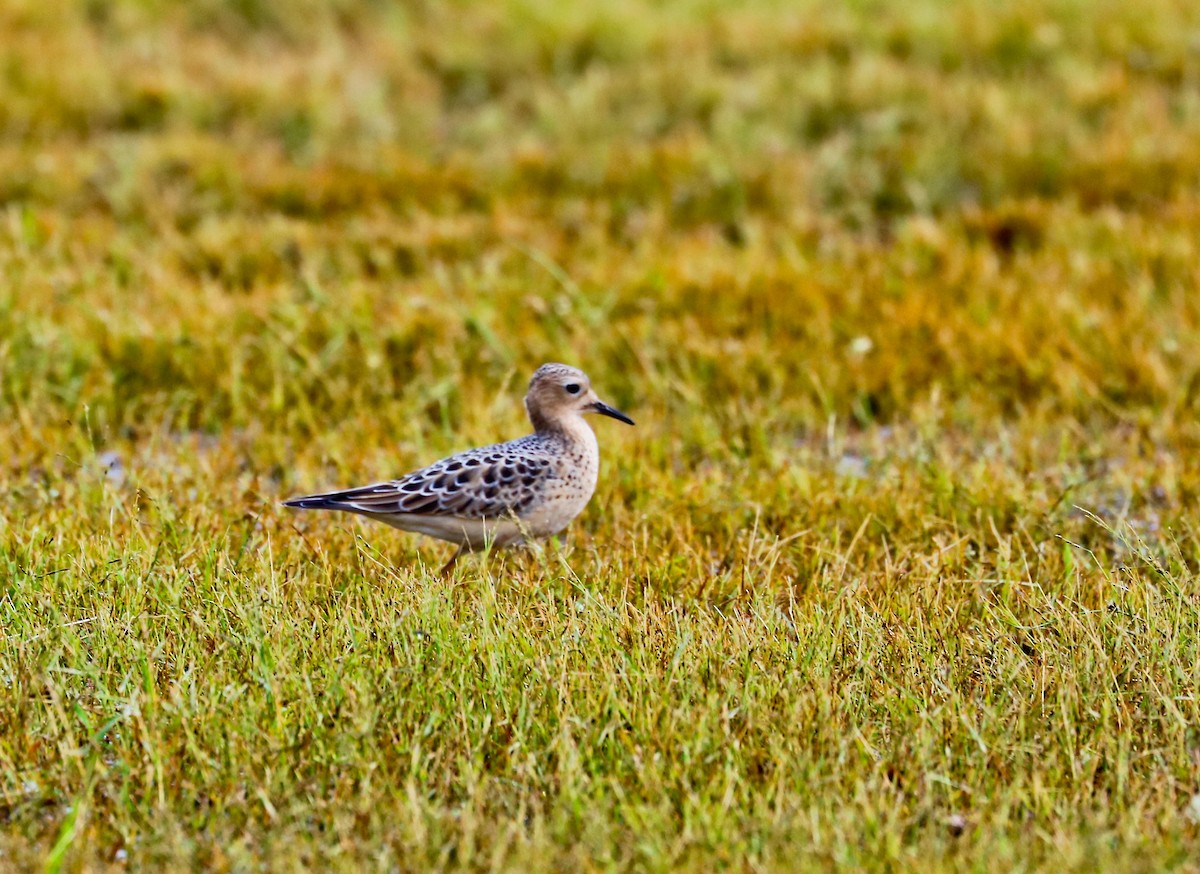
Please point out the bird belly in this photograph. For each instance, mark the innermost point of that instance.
(473, 533)
(555, 513)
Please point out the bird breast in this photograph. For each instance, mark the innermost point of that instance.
(568, 492)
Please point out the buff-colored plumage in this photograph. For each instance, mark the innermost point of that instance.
(531, 487)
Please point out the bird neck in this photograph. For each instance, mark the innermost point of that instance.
(571, 429)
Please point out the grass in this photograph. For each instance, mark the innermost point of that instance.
(898, 570)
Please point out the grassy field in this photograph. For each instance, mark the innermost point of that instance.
(898, 570)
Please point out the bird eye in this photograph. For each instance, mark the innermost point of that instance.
(573, 388)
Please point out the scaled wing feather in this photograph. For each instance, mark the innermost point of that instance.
(483, 483)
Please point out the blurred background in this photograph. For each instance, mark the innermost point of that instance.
(296, 215)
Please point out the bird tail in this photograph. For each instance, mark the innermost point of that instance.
(317, 502)
(378, 499)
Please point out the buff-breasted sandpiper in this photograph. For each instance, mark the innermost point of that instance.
(502, 494)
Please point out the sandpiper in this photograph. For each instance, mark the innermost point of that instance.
(502, 494)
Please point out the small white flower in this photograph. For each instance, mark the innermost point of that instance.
(860, 346)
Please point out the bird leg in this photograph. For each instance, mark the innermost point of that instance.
(449, 566)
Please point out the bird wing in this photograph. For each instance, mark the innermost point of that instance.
(501, 480)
